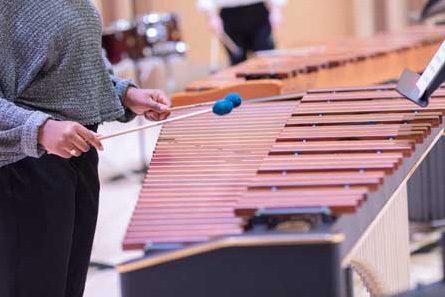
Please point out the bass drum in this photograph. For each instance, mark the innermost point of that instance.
(121, 40)
(153, 34)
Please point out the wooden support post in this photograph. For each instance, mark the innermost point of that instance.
(364, 18)
(396, 14)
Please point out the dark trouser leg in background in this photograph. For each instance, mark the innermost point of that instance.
(262, 38)
(48, 213)
(249, 27)
(239, 39)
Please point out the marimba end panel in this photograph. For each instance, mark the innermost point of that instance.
(281, 270)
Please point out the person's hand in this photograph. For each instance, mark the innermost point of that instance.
(276, 16)
(215, 23)
(153, 104)
(67, 139)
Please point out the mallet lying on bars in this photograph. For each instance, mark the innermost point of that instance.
(220, 107)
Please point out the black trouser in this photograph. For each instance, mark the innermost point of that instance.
(249, 27)
(48, 211)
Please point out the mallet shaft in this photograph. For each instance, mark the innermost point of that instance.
(230, 44)
(192, 105)
(151, 125)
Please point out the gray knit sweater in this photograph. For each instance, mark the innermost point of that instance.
(51, 66)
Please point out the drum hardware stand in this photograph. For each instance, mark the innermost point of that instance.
(419, 88)
(142, 139)
(141, 135)
(170, 85)
(169, 75)
(165, 57)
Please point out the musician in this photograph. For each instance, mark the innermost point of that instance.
(248, 23)
(55, 89)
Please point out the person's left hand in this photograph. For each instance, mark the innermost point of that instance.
(153, 104)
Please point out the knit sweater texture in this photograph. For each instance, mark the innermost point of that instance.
(52, 66)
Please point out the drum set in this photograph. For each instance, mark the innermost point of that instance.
(151, 35)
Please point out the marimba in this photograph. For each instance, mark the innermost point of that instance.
(282, 198)
(339, 63)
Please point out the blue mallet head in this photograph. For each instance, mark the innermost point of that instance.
(235, 98)
(222, 107)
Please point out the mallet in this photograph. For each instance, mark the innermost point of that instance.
(235, 98)
(220, 107)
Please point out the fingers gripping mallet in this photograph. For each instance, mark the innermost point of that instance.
(220, 107)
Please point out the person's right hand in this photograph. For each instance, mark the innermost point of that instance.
(215, 23)
(67, 139)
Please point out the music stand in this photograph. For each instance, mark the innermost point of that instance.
(419, 88)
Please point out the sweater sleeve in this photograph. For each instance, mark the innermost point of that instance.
(121, 86)
(19, 129)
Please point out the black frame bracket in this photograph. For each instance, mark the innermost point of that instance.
(419, 88)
